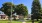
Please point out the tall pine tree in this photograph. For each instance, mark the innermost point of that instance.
(35, 9)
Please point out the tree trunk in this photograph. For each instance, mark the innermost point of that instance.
(14, 17)
(37, 19)
(9, 18)
(33, 21)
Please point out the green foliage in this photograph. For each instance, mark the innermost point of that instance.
(6, 8)
(36, 8)
(21, 9)
(41, 11)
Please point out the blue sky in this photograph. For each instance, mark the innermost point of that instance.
(27, 3)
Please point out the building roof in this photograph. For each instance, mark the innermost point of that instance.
(2, 13)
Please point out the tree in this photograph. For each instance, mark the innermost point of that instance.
(40, 15)
(6, 8)
(35, 9)
(21, 9)
(0, 9)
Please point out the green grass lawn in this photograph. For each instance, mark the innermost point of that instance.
(9, 21)
(31, 22)
(5, 21)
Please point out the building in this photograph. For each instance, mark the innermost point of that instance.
(3, 16)
(16, 16)
(29, 16)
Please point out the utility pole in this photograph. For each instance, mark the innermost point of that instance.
(11, 13)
